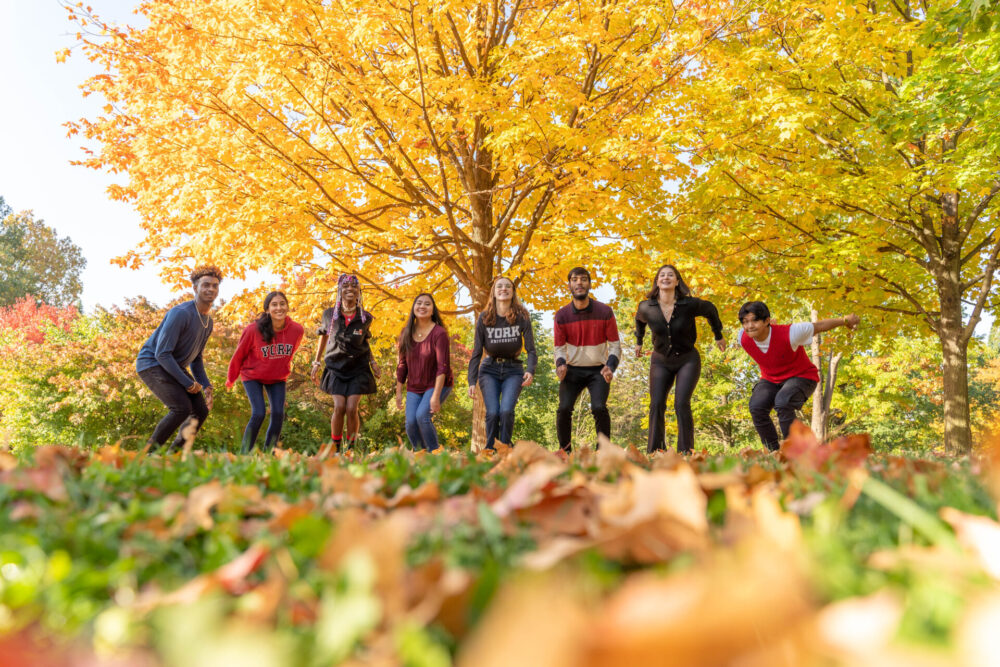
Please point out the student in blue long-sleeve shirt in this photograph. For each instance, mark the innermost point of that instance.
(175, 346)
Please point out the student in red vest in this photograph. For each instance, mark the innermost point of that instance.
(788, 377)
(345, 356)
(263, 361)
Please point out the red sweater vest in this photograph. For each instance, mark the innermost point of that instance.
(780, 362)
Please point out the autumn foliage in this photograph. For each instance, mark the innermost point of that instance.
(607, 558)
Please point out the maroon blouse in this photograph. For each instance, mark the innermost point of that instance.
(427, 359)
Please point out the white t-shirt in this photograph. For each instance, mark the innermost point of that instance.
(799, 334)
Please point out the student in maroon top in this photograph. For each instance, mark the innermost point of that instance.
(263, 361)
(349, 368)
(424, 368)
(788, 377)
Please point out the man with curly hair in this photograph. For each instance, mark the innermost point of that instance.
(171, 365)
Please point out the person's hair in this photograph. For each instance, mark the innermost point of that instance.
(264, 324)
(756, 308)
(346, 278)
(406, 336)
(578, 271)
(205, 270)
(516, 310)
(681, 290)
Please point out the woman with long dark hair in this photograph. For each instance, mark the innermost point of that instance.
(502, 329)
(424, 369)
(263, 361)
(349, 368)
(669, 311)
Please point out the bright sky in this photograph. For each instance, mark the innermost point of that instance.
(40, 95)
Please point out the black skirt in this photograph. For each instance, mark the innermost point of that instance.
(338, 384)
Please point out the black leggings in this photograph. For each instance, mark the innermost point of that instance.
(663, 371)
(181, 405)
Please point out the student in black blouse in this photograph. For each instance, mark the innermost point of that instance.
(501, 330)
(669, 311)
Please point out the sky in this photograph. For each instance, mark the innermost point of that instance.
(38, 96)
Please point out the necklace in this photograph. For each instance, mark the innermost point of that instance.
(206, 322)
(420, 336)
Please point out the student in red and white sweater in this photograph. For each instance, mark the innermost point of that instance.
(587, 351)
(788, 377)
(263, 361)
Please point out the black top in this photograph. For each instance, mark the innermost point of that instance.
(347, 350)
(502, 340)
(678, 336)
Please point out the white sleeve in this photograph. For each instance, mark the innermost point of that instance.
(800, 333)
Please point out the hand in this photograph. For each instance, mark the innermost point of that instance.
(607, 374)
(472, 391)
(209, 397)
(851, 321)
(399, 402)
(435, 404)
(638, 351)
(314, 372)
(229, 385)
(528, 379)
(721, 344)
(376, 371)
(561, 372)
(194, 389)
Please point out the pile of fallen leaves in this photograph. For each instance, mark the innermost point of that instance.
(824, 554)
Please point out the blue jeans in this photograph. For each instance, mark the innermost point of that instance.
(419, 426)
(276, 397)
(500, 382)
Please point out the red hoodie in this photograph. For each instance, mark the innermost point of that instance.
(265, 362)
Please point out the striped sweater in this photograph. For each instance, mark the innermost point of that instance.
(587, 337)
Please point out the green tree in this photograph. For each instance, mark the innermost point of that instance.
(35, 261)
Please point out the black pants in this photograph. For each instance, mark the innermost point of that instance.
(663, 371)
(180, 404)
(784, 398)
(577, 379)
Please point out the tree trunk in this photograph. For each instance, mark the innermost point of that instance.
(951, 332)
(954, 348)
(818, 420)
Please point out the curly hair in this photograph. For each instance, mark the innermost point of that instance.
(205, 270)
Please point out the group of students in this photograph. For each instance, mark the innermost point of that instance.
(587, 354)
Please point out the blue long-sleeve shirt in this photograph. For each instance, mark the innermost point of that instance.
(177, 344)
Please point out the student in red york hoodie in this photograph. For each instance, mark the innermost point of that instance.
(788, 377)
(263, 360)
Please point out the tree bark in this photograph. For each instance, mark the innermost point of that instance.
(954, 348)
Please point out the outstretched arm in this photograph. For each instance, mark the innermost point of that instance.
(850, 321)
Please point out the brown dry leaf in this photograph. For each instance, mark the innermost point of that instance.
(611, 458)
(51, 456)
(47, 481)
(526, 489)
(714, 481)
(978, 534)
(741, 607)
(977, 632)
(858, 627)
(802, 447)
(7, 461)
(534, 621)
(197, 511)
(650, 516)
(232, 576)
(524, 454)
(385, 540)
